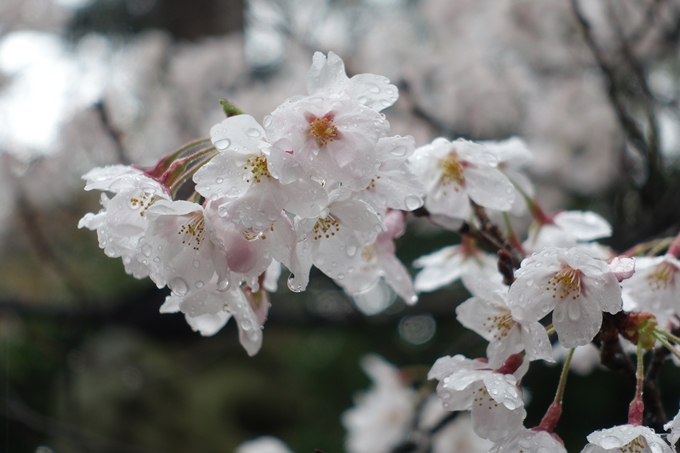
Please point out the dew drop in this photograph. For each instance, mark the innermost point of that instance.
(267, 121)
(373, 88)
(362, 99)
(574, 311)
(413, 202)
(295, 287)
(398, 151)
(222, 144)
(341, 276)
(178, 286)
(197, 264)
(219, 180)
(253, 133)
(199, 284)
(351, 250)
(530, 282)
(224, 284)
(147, 249)
(157, 259)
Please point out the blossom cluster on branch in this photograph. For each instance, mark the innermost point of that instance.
(320, 182)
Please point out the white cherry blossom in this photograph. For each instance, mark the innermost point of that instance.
(628, 438)
(577, 287)
(331, 240)
(369, 263)
(529, 441)
(382, 416)
(654, 287)
(513, 156)
(334, 131)
(567, 229)
(247, 172)
(447, 265)
(208, 309)
(327, 77)
(178, 247)
(455, 173)
(488, 314)
(123, 221)
(494, 398)
(394, 186)
(674, 427)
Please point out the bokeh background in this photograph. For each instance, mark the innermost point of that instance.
(88, 363)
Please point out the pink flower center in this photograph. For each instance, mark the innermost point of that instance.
(566, 283)
(323, 130)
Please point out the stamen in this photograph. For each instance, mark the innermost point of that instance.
(326, 226)
(502, 323)
(144, 201)
(323, 130)
(193, 230)
(566, 283)
(453, 171)
(662, 275)
(258, 168)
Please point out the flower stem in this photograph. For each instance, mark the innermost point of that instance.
(166, 161)
(185, 174)
(552, 415)
(549, 330)
(667, 344)
(668, 335)
(637, 407)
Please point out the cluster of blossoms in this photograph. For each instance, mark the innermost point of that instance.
(321, 183)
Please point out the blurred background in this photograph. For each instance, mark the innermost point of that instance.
(88, 363)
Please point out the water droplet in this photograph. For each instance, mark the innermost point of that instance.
(373, 88)
(362, 99)
(267, 121)
(351, 250)
(413, 202)
(574, 311)
(199, 284)
(292, 285)
(222, 144)
(178, 286)
(530, 282)
(147, 249)
(219, 180)
(246, 324)
(341, 276)
(224, 284)
(398, 151)
(197, 264)
(253, 133)
(157, 259)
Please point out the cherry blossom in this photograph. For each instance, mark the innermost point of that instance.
(494, 398)
(208, 309)
(124, 219)
(331, 240)
(447, 265)
(455, 173)
(377, 261)
(394, 186)
(674, 427)
(264, 444)
(513, 156)
(334, 131)
(246, 176)
(630, 438)
(654, 287)
(381, 417)
(568, 229)
(179, 248)
(488, 314)
(529, 441)
(577, 287)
